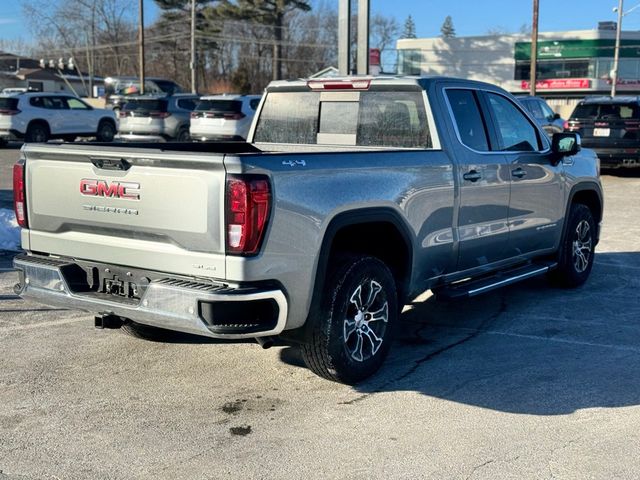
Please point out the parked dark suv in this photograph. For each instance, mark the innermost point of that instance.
(611, 127)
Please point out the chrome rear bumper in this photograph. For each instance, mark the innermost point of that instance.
(168, 303)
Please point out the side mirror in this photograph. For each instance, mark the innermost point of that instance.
(556, 116)
(565, 144)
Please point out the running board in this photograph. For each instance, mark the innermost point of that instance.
(473, 287)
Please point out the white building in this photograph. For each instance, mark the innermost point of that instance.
(570, 64)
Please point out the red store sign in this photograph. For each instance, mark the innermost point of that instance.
(559, 84)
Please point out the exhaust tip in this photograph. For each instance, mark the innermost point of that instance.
(17, 289)
(265, 342)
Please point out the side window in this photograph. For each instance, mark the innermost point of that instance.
(75, 104)
(36, 102)
(534, 107)
(515, 133)
(468, 119)
(254, 103)
(54, 103)
(546, 111)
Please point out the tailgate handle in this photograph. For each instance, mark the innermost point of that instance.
(111, 164)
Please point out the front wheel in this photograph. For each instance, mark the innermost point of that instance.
(577, 249)
(352, 333)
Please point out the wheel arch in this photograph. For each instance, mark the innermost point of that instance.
(38, 121)
(589, 194)
(353, 232)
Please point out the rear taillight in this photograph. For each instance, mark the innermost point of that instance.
(234, 116)
(195, 114)
(19, 194)
(632, 125)
(10, 112)
(159, 114)
(122, 114)
(565, 125)
(248, 204)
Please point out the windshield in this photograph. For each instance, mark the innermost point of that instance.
(8, 104)
(150, 105)
(232, 106)
(607, 111)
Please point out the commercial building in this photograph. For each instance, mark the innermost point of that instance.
(23, 72)
(571, 65)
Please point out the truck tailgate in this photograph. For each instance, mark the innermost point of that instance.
(147, 208)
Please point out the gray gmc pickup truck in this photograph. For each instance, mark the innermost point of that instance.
(351, 197)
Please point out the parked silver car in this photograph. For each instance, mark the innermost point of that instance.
(156, 118)
(223, 117)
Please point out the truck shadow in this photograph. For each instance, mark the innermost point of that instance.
(530, 348)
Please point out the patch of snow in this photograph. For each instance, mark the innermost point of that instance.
(9, 230)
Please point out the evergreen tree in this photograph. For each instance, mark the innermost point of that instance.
(175, 22)
(447, 30)
(409, 28)
(266, 12)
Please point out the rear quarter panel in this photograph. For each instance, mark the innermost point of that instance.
(310, 190)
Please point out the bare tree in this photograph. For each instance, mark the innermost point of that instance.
(99, 34)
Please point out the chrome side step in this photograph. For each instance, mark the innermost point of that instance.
(473, 287)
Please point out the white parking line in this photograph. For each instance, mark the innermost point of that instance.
(622, 348)
(32, 326)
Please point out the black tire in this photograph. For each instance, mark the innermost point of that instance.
(350, 336)
(106, 131)
(577, 249)
(3, 143)
(147, 332)
(183, 135)
(37, 132)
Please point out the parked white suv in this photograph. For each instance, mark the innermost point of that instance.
(37, 117)
(223, 117)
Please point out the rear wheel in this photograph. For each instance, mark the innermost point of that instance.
(37, 133)
(3, 143)
(106, 131)
(352, 333)
(183, 135)
(577, 248)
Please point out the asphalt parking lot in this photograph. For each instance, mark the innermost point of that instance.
(527, 382)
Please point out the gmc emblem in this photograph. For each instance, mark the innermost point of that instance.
(102, 188)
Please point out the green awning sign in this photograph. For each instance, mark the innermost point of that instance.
(577, 49)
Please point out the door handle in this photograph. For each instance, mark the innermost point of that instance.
(518, 172)
(472, 176)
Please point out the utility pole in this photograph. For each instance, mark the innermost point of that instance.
(363, 37)
(194, 80)
(534, 49)
(92, 55)
(141, 43)
(616, 53)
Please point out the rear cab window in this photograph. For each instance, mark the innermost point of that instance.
(371, 118)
